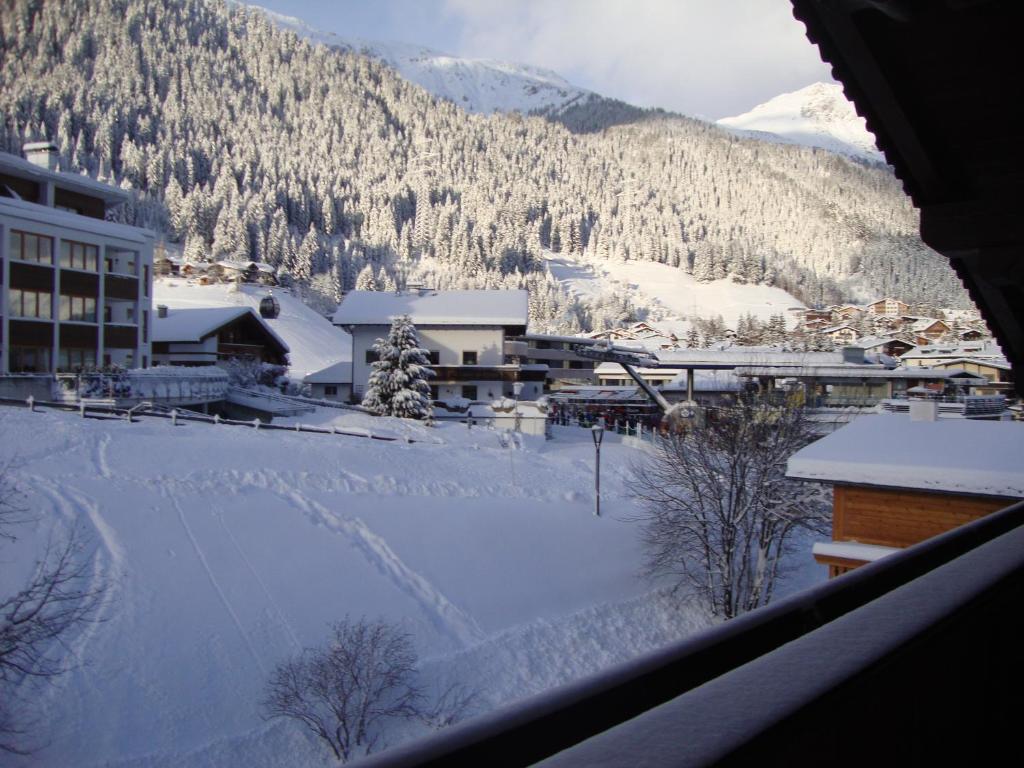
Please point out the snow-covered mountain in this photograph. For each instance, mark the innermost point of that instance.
(476, 85)
(817, 116)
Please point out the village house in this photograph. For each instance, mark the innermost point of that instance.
(898, 480)
(463, 331)
(928, 329)
(74, 288)
(841, 334)
(888, 306)
(209, 335)
(331, 383)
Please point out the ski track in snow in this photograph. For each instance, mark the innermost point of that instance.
(101, 460)
(282, 621)
(216, 585)
(445, 616)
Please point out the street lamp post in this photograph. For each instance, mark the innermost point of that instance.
(597, 432)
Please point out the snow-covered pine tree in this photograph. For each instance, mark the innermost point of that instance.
(398, 382)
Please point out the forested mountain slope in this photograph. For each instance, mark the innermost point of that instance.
(246, 141)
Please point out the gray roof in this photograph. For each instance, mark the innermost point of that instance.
(22, 168)
(434, 307)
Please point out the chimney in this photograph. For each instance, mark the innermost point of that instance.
(161, 310)
(853, 355)
(42, 153)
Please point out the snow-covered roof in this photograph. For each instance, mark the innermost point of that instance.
(891, 450)
(338, 373)
(947, 351)
(313, 342)
(857, 372)
(739, 356)
(193, 325)
(1000, 363)
(434, 307)
(22, 168)
(870, 342)
(46, 215)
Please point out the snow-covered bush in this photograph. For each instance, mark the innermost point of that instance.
(249, 372)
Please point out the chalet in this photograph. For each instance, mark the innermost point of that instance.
(841, 334)
(464, 332)
(849, 312)
(208, 335)
(817, 318)
(564, 366)
(893, 347)
(899, 480)
(888, 306)
(929, 329)
(74, 288)
(998, 373)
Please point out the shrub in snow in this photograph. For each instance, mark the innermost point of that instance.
(720, 513)
(398, 382)
(249, 372)
(363, 681)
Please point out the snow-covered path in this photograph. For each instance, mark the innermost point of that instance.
(226, 550)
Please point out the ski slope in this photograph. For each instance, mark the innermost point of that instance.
(227, 549)
(669, 291)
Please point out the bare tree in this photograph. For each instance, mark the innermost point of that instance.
(345, 693)
(719, 512)
(37, 620)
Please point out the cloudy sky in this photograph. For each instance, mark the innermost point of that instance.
(707, 58)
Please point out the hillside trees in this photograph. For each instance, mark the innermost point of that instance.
(398, 381)
(218, 115)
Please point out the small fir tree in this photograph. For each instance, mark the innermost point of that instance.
(398, 382)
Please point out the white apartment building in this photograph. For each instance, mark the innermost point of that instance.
(464, 332)
(75, 289)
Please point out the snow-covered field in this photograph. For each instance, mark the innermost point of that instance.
(227, 549)
(313, 341)
(671, 290)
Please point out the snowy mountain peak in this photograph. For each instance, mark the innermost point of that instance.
(476, 85)
(817, 116)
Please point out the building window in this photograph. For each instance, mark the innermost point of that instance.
(372, 356)
(121, 261)
(129, 313)
(76, 358)
(25, 303)
(145, 328)
(25, 246)
(434, 393)
(79, 255)
(435, 356)
(469, 357)
(145, 280)
(330, 390)
(469, 391)
(30, 359)
(81, 309)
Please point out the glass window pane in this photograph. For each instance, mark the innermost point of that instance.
(91, 256)
(65, 253)
(90, 310)
(31, 247)
(30, 304)
(65, 307)
(15, 245)
(45, 249)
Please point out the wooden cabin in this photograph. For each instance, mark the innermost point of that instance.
(899, 480)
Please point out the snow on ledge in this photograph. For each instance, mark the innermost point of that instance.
(852, 550)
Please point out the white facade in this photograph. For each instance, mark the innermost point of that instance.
(76, 289)
(464, 332)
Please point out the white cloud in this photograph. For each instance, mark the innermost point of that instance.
(710, 58)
